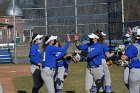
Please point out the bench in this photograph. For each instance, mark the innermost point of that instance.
(5, 56)
(5, 53)
(10, 45)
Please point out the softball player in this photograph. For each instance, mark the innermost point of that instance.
(133, 52)
(35, 57)
(94, 71)
(126, 70)
(49, 64)
(62, 68)
(104, 64)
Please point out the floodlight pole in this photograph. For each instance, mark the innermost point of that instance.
(123, 17)
(31, 33)
(46, 17)
(15, 55)
(76, 30)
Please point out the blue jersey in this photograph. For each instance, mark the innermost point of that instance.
(132, 52)
(35, 54)
(95, 52)
(61, 61)
(50, 51)
(105, 49)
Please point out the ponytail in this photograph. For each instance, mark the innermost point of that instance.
(32, 42)
(44, 44)
(99, 34)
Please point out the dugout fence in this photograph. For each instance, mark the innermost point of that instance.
(61, 17)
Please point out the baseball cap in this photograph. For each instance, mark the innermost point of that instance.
(37, 37)
(51, 38)
(127, 35)
(93, 36)
(103, 33)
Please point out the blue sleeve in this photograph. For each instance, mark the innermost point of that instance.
(129, 52)
(105, 47)
(63, 49)
(59, 55)
(83, 47)
(66, 65)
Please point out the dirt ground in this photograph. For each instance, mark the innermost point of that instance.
(8, 72)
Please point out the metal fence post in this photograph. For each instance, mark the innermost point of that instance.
(14, 32)
(76, 17)
(122, 18)
(46, 17)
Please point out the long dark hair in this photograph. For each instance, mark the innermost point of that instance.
(59, 42)
(99, 34)
(32, 42)
(45, 45)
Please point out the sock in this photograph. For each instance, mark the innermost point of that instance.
(108, 89)
(58, 90)
(93, 89)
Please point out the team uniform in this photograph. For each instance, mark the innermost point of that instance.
(105, 70)
(35, 57)
(94, 71)
(49, 65)
(61, 69)
(126, 70)
(134, 66)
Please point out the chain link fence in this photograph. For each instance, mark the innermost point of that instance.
(60, 17)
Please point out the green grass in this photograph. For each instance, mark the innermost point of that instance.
(75, 80)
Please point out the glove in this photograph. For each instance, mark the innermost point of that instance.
(65, 75)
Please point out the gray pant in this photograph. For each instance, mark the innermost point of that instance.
(47, 75)
(134, 80)
(126, 75)
(107, 76)
(37, 80)
(106, 72)
(1, 90)
(93, 75)
(60, 77)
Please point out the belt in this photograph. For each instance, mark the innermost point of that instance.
(50, 68)
(61, 66)
(92, 66)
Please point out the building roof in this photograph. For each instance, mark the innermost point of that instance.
(4, 24)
